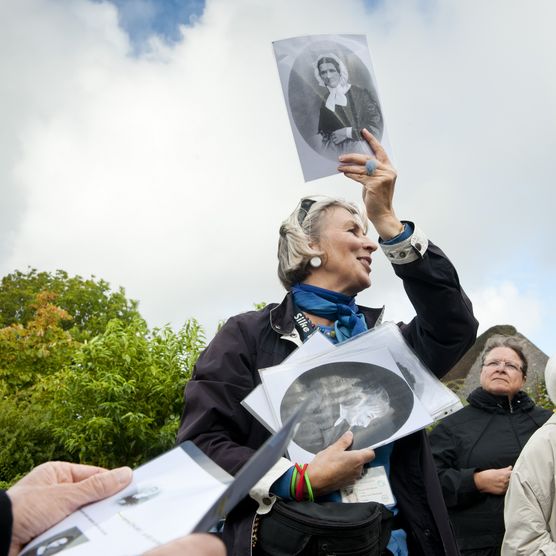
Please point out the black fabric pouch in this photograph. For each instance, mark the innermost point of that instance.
(311, 529)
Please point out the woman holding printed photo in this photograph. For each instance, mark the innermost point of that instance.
(324, 261)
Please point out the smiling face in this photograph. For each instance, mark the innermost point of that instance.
(501, 372)
(347, 254)
(329, 74)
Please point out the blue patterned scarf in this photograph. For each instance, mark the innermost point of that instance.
(338, 307)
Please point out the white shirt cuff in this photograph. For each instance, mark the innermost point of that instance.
(408, 250)
(261, 491)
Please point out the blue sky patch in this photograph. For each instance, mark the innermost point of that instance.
(142, 19)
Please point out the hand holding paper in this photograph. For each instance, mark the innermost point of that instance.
(378, 187)
(55, 489)
(335, 467)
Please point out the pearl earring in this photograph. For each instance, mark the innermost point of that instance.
(315, 262)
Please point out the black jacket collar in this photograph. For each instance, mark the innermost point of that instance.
(482, 399)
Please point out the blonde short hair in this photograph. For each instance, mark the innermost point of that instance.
(303, 227)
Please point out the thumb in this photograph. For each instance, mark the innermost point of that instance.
(368, 454)
(344, 442)
(103, 484)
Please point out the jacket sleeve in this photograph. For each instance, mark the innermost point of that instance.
(5, 523)
(213, 417)
(445, 327)
(530, 501)
(458, 485)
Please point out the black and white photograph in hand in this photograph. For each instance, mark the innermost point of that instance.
(57, 543)
(331, 95)
(368, 400)
(364, 392)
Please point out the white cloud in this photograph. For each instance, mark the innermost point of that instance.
(506, 304)
(169, 174)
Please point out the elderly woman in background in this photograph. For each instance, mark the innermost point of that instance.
(324, 262)
(346, 110)
(475, 448)
(530, 505)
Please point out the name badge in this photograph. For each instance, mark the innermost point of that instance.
(374, 486)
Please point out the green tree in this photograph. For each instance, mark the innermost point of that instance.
(82, 378)
(90, 302)
(540, 396)
(120, 400)
(37, 348)
(26, 438)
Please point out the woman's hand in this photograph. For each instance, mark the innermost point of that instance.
(493, 481)
(378, 188)
(335, 468)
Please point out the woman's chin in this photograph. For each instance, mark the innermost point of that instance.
(362, 287)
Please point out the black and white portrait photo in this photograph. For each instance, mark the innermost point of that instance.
(344, 111)
(57, 543)
(331, 96)
(371, 401)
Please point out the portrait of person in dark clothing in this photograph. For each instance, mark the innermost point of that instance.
(345, 110)
(331, 96)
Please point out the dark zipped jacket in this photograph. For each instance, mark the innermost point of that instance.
(5, 523)
(489, 433)
(227, 371)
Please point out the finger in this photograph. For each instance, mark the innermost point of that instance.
(366, 455)
(59, 472)
(361, 178)
(354, 158)
(377, 148)
(80, 472)
(353, 169)
(102, 485)
(344, 442)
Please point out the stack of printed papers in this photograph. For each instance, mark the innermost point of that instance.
(373, 385)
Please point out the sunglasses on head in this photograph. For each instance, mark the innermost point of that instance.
(304, 208)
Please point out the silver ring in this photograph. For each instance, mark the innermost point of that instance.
(371, 165)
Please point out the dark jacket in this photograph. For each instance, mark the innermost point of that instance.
(5, 523)
(228, 370)
(361, 111)
(489, 433)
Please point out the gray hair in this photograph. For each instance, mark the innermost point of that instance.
(303, 227)
(511, 342)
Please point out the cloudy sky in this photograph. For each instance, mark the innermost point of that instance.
(147, 142)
